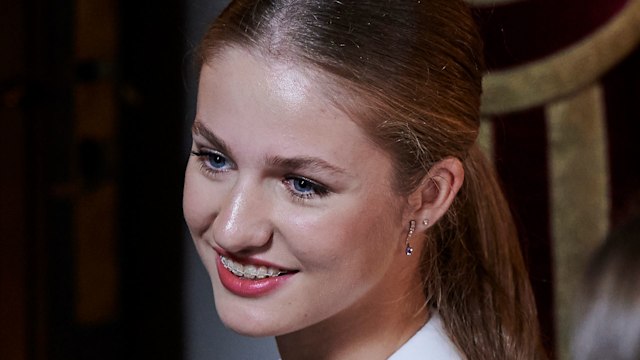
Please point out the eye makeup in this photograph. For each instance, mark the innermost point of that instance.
(213, 162)
(304, 188)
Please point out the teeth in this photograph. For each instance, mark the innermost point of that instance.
(261, 272)
(249, 271)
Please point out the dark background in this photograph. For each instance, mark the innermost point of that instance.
(91, 127)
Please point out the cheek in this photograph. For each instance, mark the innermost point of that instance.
(350, 237)
(197, 207)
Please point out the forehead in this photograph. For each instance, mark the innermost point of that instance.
(272, 108)
(262, 109)
(239, 85)
(284, 83)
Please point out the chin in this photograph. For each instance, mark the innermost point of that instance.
(251, 331)
(248, 320)
(245, 326)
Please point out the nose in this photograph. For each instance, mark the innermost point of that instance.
(243, 224)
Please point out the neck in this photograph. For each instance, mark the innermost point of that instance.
(374, 330)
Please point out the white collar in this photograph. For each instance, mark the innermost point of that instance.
(430, 342)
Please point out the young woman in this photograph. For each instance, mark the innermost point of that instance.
(336, 194)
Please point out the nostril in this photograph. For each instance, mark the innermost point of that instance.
(243, 239)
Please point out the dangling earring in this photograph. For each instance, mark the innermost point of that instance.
(412, 227)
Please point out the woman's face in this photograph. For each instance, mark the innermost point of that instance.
(289, 204)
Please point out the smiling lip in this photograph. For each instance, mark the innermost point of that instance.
(245, 287)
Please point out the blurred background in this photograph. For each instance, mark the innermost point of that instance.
(96, 100)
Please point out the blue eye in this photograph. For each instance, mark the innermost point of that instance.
(216, 161)
(305, 188)
(213, 161)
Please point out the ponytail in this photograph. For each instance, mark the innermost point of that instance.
(475, 275)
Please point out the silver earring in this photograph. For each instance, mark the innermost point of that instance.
(412, 227)
(425, 222)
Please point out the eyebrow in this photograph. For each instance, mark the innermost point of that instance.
(290, 164)
(304, 163)
(200, 129)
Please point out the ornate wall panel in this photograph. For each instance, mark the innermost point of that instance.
(561, 95)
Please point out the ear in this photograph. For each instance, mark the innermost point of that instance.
(435, 194)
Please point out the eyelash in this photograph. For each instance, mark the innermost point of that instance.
(203, 156)
(319, 190)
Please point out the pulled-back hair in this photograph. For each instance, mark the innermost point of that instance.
(410, 73)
